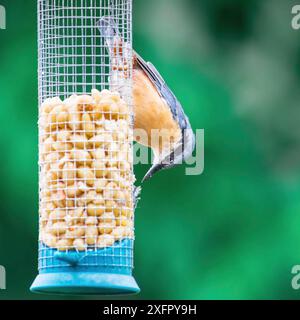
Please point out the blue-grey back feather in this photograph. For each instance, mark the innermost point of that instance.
(165, 92)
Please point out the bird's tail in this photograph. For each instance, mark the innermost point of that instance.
(119, 54)
(109, 31)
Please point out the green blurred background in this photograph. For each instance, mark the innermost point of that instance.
(230, 233)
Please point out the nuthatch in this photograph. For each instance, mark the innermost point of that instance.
(156, 109)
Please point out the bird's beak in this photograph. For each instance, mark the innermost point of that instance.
(155, 168)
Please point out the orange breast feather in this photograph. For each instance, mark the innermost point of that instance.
(152, 112)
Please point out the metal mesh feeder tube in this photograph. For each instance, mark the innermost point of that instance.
(86, 180)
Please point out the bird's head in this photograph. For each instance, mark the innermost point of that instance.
(182, 151)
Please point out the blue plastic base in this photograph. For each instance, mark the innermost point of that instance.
(85, 283)
(106, 271)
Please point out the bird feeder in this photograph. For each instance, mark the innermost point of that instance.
(86, 180)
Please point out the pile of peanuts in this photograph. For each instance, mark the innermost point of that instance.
(86, 176)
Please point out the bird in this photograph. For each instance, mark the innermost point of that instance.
(157, 111)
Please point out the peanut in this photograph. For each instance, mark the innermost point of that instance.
(63, 135)
(74, 113)
(108, 193)
(49, 104)
(61, 146)
(98, 200)
(56, 215)
(85, 100)
(74, 119)
(105, 240)
(86, 171)
(101, 139)
(48, 146)
(119, 232)
(58, 228)
(49, 239)
(95, 210)
(91, 196)
(87, 175)
(91, 221)
(59, 199)
(79, 141)
(82, 186)
(69, 173)
(107, 217)
(73, 191)
(99, 184)
(110, 205)
(107, 227)
(52, 157)
(58, 115)
(123, 222)
(91, 235)
(98, 154)
(80, 156)
(77, 231)
(79, 245)
(87, 125)
(64, 244)
(99, 168)
(75, 216)
(96, 95)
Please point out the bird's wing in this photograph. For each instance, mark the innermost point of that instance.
(163, 90)
(150, 70)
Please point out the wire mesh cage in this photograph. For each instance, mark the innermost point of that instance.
(86, 180)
